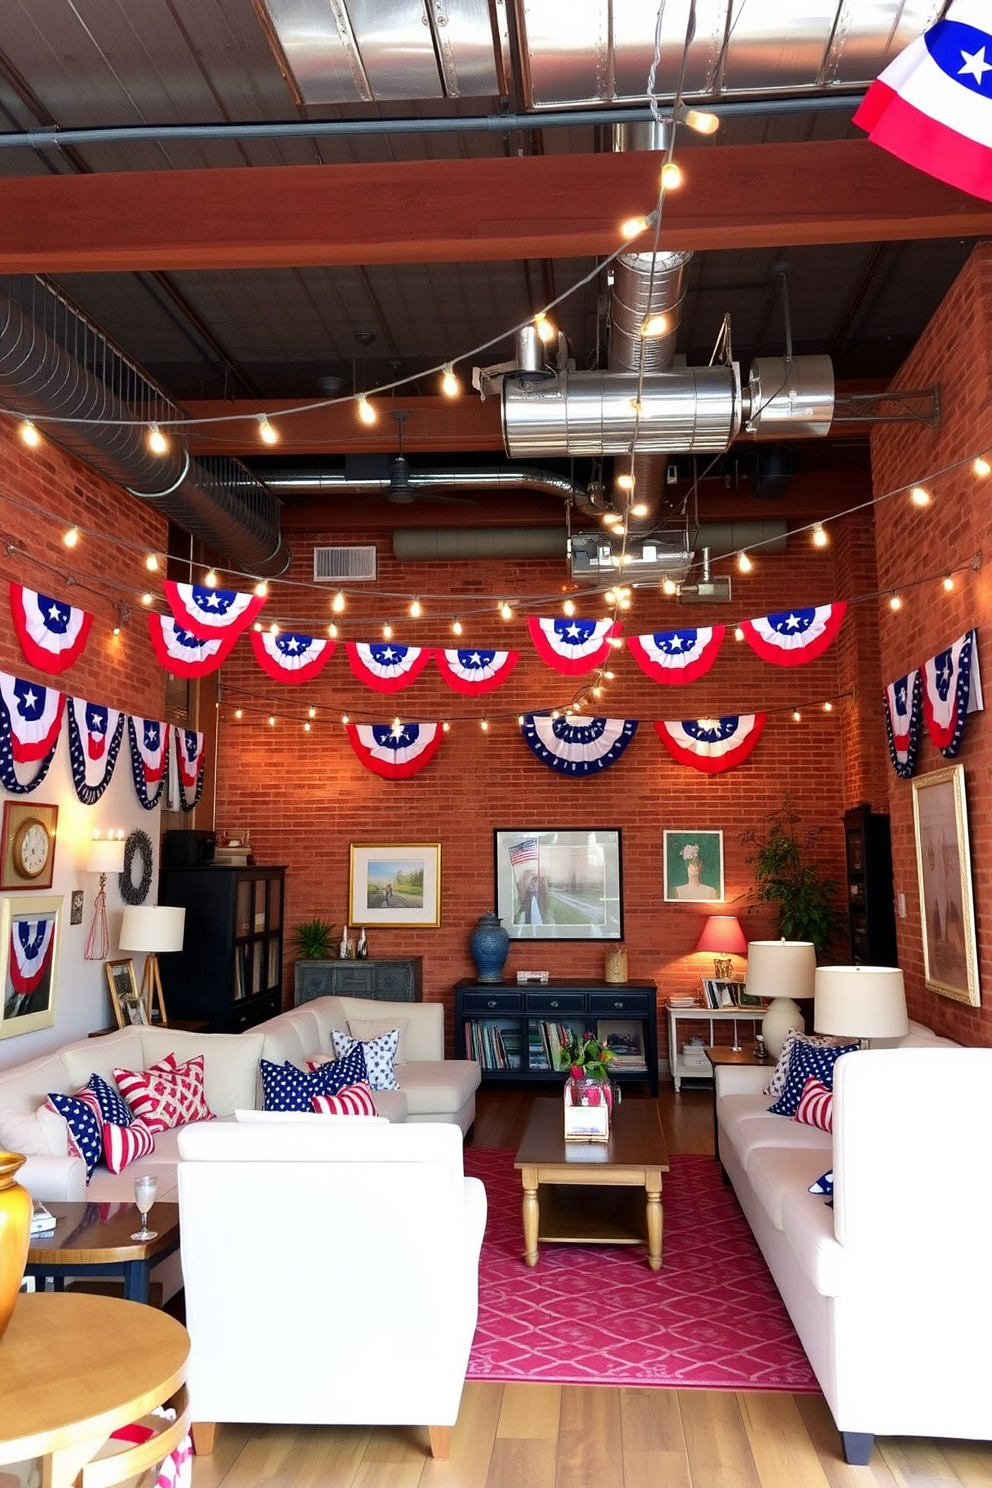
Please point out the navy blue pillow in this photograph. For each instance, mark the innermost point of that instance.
(339, 1073)
(287, 1088)
(85, 1126)
(808, 1062)
(825, 1185)
(113, 1106)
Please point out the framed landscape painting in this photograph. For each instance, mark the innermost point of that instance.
(395, 883)
(30, 928)
(943, 863)
(559, 883)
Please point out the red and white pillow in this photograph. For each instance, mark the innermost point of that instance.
(166, 1095)
(816, 1105)
(353, 1100)
(124, 1144)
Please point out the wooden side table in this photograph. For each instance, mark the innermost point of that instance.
(76, 1368)
(95, 1240)
(720, 1054)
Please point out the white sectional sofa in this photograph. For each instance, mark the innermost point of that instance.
(888, 1289)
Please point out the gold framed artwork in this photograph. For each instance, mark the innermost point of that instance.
(30, 929)
(124, 994)
(28, 860)
(947, 906)
(395, 884)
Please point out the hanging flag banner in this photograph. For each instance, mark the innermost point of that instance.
(149, 747)
(903, 712)
(31, 946)
(572, 646)
(189, 757)
(208, 613)
(30, 723)
(952, 688)
(793, 637)
(384, 666)
(52, 634)
(289, 656)
(95, 734)
(577, 748)
(183, 653)
(476, 669)
(395, 750)
(675, 656)
(932, 106)
(713, 744)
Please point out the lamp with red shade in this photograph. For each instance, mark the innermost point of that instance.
(724, 938)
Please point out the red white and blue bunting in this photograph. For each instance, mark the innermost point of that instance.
(209, 613)
(952, 688)
(189, 758)
(52, 634)
(676, 656)
(290, 656)
(95, 734)
(395, 750)
(902, 701)
(476, 669)
(30, 724)
(183, 653)
(149, 748)
(577, 748)
(384, 666)
(31, 945)
(572, 646)
(713, 744)
(793, 637)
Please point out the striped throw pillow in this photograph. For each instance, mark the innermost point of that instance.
(816, 1106)
(353, 1100)
(124, 1144)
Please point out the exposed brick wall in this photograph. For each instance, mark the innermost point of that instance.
(914, 549)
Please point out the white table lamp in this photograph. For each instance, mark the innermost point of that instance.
(782, 970)
(862, 1002)
(106, 856)
(154, 929)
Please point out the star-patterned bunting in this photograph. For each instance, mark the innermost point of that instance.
(289, 656)
(183, 653)
(572, 646)
(95, 734)
(952, 688)
(792, 637)
(149, 746)
(675, 656)
(577, 747)
(395, 750)
(384, 666)
(902, 702)
(475, 670)
(208, 613)
(52, 634)
(712, 745)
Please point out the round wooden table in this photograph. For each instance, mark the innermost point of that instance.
(74, 1368)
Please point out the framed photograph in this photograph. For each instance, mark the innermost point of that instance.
(726, 994)
(395, 884)
(693, 866)
(28, 860)
(124, 993)
(947, 906)
(625, 1037)
(30, 931)
(559, 883)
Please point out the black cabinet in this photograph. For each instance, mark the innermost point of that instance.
(399, 980)
(869, 887)
(229, 970)
(515, 1030)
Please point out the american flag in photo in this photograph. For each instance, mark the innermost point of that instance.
(523, 852)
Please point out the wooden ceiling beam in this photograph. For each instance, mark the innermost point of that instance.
(455, 211)
(435, 424)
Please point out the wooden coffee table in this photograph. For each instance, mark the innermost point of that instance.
(581, 1204)
(95, 1240)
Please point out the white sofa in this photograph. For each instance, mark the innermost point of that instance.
(383, 1216)
(887, 1289)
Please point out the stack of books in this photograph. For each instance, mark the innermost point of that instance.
(683, 1000)
(43, 1221)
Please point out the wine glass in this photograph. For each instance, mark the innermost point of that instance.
(145, 1188)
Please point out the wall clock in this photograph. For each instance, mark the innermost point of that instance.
(28, 845)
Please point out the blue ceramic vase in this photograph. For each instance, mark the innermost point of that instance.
(490, 946)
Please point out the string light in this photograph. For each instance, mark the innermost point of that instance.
(338, 603)
(71, 538)
(29, 434)
(272, 720)
(211, 580)
(633, 227)
(146, 598)
(261, 590)
(981, 466)
(446, 727)
(895, 603)
(797, 717)
(345, 718)
(701, 120)
(738, 633)
(820, 538)
(387, 632)
(545, 328)
(416, 609)
(157, 442)
(625, 481)
(616, 643)
(239, 712)
(639, 509)
(948, 583)
(506, 610)
(332, 631)
(671, 176)
(744, 564)
(456, 627)
(450, 386)
(266, 433)
(311, 712)
(151, 563)
(920, 496)
(669, 587)
(655, 325)
(258, 627)
(484, 725)
(306, 728)
(568, 607)
(828, 707)
(366, 412)
(274, 628)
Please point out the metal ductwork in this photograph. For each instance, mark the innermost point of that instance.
(429, 544)
(100, 412)
(437, 478)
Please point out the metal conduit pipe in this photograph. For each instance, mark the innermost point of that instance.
(481, 478)
(430, 544)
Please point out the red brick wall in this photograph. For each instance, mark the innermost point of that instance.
(915, 548)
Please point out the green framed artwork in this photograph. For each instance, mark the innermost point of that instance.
(693, 866)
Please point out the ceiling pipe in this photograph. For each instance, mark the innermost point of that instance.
(437, 544)
(455, 478)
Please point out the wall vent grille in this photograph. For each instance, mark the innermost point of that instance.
(331, 565)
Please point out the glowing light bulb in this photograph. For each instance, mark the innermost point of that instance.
(597, 692)
(920, 496)
(506, 611)
(338, 603)
(655, 325)
(615, 641)
(981, 466)
(568, 607)
(157, 442)
(211, 580)
(738, 633)
(820, 538)
(457, 627)
(311, 712)
(633, 227)
(544, 327)
(484, 725)
(272, 720)
(702, 121)
(261, 589)
(29, 434)
(344, 718)
(744, 564)
(266, 433)
(306, 728)
(625, 481)
(366, 412)
(671, 176)
(610, 597)
(639, 509)
(446, 727)
(274, 628)
(797, 717)
(151, 563)
(669, 587)
(332, 631)
(450, 386)
(239, 712)
(895, 603)
(71, 538)
(257, 627)
(828, 707)
(948, 583)
(387, 632)
(416, 609)
(146, 598)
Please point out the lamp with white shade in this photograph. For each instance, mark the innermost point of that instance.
(782, 970)
(862, 1002)
(154, 929)
(106, 856)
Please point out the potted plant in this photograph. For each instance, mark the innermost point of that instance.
(787, 877)
(314, 940)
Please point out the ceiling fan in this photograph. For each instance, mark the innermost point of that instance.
(400, 491)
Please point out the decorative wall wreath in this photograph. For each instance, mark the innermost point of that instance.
(137, 845)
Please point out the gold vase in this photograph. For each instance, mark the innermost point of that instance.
(15, 1234)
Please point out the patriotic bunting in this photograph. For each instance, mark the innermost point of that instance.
(793, 637)
(52, 634)
(95, 734)
(289, 656)
(712, 744)
(674, 656)
(952, 689)
(209, 613)
(183, 653)
(572, 646)
(395, 750)
(902, 702)
(384, 666)
(584, 748)
(189, 757)
(31, 946)
(149, 747)
(932, 106)
(35, 717)
(475, 670)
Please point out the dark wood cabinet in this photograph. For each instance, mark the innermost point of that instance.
(229, 970)
(382, 978)
(513, 1029)
(869, 887)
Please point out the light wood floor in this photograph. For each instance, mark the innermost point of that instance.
(549, 1436)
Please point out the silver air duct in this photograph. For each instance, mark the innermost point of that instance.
(437, 478)
(106, 406)
(430, 544)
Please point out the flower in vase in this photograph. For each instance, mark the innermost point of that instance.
(585, 1058)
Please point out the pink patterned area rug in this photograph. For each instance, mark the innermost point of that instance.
(711, 1318)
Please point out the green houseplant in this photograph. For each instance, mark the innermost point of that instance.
(787, 877)
(313, 940)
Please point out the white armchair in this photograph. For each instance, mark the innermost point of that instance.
(331, 1271)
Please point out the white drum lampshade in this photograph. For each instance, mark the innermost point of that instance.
(862, 1002)
(782, 970)
(152, 928)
